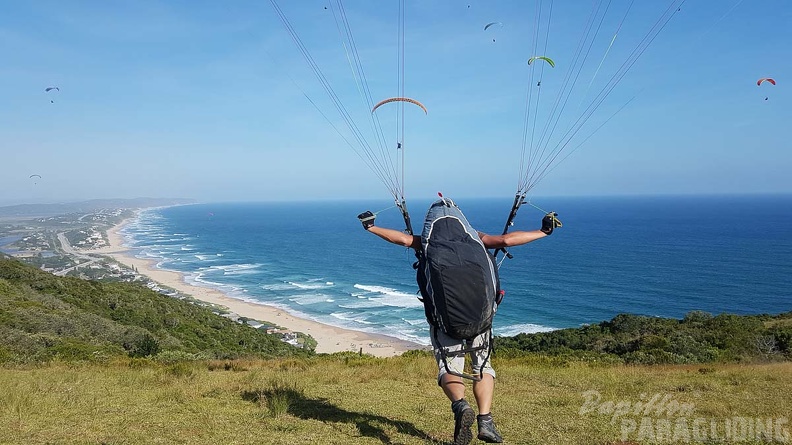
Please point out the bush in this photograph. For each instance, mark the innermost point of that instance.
(71, 350)
(170, 357)
(280, 396)
(694, 318)
(145, 347)
(685, 345)
(140, 363)
(180, 370)
(418, 353)
(308, 342)
(783, 339)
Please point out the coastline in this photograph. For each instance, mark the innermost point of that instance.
(329, 338)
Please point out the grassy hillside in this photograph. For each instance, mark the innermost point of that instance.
(89, 362)
(346, 399)
(44, 317)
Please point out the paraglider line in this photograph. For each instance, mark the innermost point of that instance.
(362, 84)
(377, 165)
(612, 83)
(537, 207)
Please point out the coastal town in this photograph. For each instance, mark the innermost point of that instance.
(70, 245)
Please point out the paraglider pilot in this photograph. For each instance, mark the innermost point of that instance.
(453, 385)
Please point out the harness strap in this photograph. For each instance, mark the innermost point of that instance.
(445, 353)
(460, 352)
(519, 199)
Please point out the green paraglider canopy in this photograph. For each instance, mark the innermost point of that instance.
(546, 59)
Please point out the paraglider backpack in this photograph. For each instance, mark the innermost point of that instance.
(457, 276)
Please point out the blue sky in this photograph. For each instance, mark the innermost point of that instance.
(207, 99)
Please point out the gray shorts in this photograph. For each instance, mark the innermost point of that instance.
(457, 364)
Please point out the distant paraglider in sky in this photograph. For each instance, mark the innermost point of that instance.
(488, 25)
(400, 99)
(35, 181)
(546, 59)
(765, 79)
(491, 24)
(49, 89)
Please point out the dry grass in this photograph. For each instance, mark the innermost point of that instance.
(352, 400)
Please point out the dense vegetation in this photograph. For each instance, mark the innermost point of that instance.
(698, 338)
(43, 317)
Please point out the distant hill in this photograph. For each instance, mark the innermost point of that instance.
(44, 317)
(44, 210)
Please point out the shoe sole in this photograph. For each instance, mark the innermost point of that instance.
(489, 439)
(465, 435)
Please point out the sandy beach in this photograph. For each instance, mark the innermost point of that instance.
(329, 338)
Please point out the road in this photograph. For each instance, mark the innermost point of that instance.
(68, 249)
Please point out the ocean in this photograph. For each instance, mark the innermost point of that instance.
(654, 256)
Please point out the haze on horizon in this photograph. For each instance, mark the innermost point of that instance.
(208, 101)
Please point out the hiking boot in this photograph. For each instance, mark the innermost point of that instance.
(487, 431)
(463, 420)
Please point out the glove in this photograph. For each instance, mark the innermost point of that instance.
(367, 219)
(550, 222)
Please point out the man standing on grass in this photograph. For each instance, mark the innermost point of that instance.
(443, 344)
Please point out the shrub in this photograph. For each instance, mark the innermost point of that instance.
(70, 350)
(172, 356)
(180, 370)
(418, 353)
(783, 339)
(145, 347)
(281, 395)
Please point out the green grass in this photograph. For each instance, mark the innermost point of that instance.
(347, 399)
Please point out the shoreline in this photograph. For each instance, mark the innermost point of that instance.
(329, 339)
